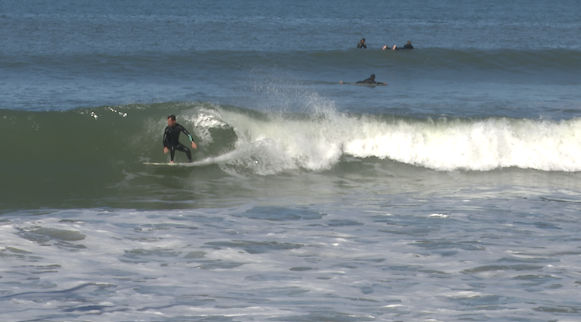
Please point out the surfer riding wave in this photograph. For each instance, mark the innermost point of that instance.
(171, 137)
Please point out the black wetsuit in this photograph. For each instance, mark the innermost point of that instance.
(408, 46)
(370, 80)
(171, 141)
(361, 45)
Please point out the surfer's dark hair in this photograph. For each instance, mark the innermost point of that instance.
(172, 117)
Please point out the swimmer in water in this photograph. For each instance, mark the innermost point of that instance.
(369, 81)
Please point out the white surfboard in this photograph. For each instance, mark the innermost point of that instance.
(175, 164)
(363, 84)
(183, 164)
(219, 159)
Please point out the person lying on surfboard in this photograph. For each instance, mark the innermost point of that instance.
(171, 137)
(369, 81)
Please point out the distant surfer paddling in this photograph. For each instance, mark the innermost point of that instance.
(369, 81)
(171, 137)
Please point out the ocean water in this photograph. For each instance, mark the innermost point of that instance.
(451, 194)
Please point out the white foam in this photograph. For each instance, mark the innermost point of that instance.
(438, 216)
(139, 264)
(318, 142)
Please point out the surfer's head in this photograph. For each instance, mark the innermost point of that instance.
(171, 120)
(372, 76)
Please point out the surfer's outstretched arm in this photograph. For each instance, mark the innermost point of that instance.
(191, 139)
